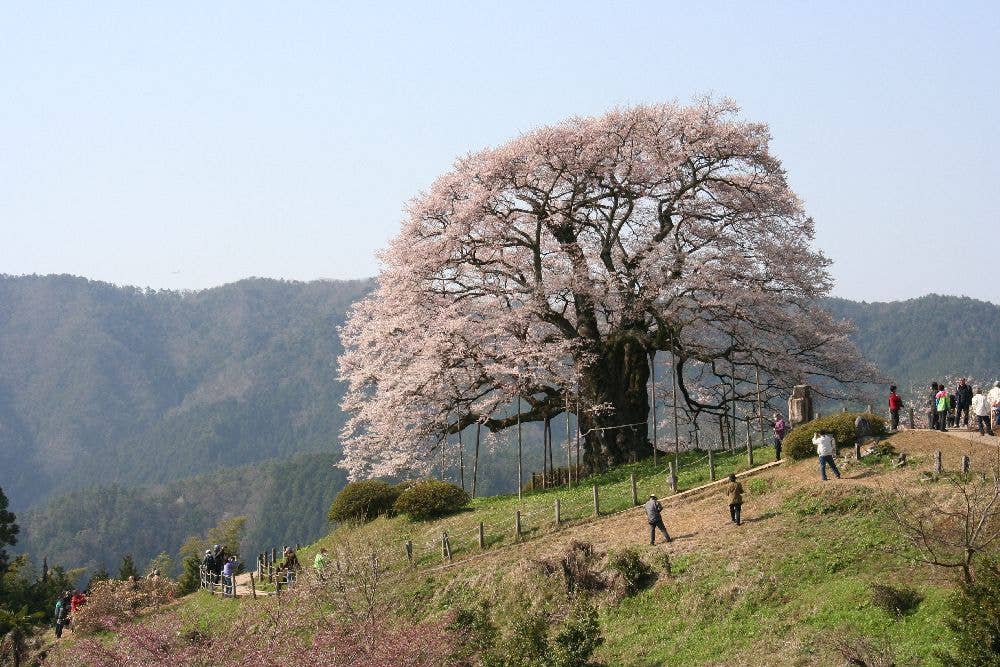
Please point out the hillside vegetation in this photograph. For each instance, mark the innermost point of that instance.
(814, 576)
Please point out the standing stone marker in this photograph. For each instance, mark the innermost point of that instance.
(800, 405)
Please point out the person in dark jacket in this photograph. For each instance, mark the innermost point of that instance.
(734, 491)
(780, 429)
(963, 401)
(62, 613)
(655, 520)
(932, 408)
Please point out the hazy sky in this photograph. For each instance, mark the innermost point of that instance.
(189, 145)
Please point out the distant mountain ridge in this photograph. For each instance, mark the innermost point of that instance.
(102, 384)
(131, 418)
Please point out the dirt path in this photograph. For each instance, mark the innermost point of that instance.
(702, 521)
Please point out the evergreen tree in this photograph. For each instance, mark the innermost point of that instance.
(190, 577)
(8, 531)
(127, 568)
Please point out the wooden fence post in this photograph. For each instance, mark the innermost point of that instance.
(673, 477)
(912, 423)
(966, 464)
(482, 535)
(937, 462)
(635, 497)
(597, 502)
(517, 524)
(253, 587)
(857, 451)
(749, 449)
(409, 551)
(711, 465)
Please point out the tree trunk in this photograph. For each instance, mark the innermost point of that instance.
(475, 461)
(618, 380)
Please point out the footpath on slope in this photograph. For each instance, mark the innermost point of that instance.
(701, 520)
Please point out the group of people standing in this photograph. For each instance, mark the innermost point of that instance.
(66, 607)
(221, 566)
(952, 408)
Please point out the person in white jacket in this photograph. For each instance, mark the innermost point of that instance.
(981, 409)
(993, 400)
(826, 448)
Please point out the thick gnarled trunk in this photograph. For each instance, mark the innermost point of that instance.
(617, 380)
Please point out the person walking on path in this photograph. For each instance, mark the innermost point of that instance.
(780, 429)
(895, 405)
(61, 613)
(826, 448)
(981, 409)
(942, 402)
(229, 577)
(653, 509)
(963, 401)
(734, 491)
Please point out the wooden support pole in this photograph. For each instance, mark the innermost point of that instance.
(673, 477)
(569, 447)
(912, 423)
(652, 380)
(253, 587)
(711, 465)
(597, 502)
(749, 446)
(558, 513)
(520, 475)
(517, 524)
(937, 462)
(635, 496)
(409, 551)
(966, 465)
(445, 548)
(482, 535)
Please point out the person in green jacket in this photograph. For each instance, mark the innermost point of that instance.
(319, 562)
(734, 491)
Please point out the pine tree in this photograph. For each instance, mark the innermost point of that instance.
(127, 568)
(8, 531)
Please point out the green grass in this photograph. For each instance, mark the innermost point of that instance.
(537, 508)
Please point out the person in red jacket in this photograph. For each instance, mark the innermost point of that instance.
(895, 404)
(77, 601)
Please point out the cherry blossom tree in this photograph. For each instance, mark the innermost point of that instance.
(551, 268)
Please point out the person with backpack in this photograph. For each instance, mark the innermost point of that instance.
(895, 405)
(655, 520)
(780, 429)
(734, 491)
(61, 613)
(981, 409)
(826, 449)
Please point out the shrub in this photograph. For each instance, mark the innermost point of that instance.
(363, 501)
(975, 619)
(113, 602)
(431, 498)
(632, 569)
(896, 602)
(798, 444)
(579, 637)
(579, 568)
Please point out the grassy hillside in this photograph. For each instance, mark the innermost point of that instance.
(793, 585)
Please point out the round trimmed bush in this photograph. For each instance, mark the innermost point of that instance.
(363, 501)
(430, 498)
(798, 444)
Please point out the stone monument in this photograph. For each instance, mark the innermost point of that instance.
(800, 405)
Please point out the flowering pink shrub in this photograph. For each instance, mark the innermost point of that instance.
(113, 602)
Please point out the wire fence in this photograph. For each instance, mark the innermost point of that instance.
(540, 514)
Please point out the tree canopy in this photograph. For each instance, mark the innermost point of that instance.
(550, 268)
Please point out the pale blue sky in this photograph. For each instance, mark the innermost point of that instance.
(193, 144)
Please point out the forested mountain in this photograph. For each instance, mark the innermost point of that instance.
(102, 384)
(286, 502)
(928, 338)
(131, 419)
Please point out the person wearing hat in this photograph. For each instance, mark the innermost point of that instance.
(653, 509)
(734, 491)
